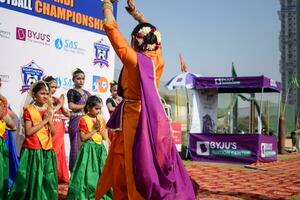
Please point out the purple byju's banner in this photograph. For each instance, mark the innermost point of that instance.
(250, 84)
(85, 14)
(233, 148)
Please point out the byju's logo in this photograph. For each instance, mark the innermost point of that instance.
(32, 36)
(100, 84)
(202, 148)
(21, 34)
(58, 43)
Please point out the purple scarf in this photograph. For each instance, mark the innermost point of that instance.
(158, 169)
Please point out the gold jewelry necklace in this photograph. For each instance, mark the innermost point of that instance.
(39, 107)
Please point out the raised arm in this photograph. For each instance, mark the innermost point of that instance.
(122, 48)
(107, 8)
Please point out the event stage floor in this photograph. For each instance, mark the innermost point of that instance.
(278, 180)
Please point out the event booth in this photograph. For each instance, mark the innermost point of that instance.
(208, 144)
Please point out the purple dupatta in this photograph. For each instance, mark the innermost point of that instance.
(157, 167)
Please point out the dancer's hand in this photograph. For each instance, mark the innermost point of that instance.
(130, 6)
(134, 12)
(3, 110)
(3, 107)
(3, 100)
(61, 99)
(119, 100)
(48, 115)
(97, 126)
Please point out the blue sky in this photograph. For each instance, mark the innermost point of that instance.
(211, 34)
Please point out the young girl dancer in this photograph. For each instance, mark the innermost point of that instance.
(91, 158)
(5, 121)
(76, 100)
(60, 115)
(37, 174)
(115, 99)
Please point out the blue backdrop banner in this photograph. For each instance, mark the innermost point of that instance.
(85, 14)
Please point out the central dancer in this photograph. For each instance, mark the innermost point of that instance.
(143, 162)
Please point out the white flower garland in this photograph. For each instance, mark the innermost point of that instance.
(145, 31)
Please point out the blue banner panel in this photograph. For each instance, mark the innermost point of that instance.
(85, 14)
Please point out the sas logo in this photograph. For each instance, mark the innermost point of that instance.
(68, 45)
(202, 148)
(100, 84)
(64, 82)
(101, 53)
(32, 36)
(58, 43)
(64, 43)
(30, 74)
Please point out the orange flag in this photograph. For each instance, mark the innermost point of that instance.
(182, 63)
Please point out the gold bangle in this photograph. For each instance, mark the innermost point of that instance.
(107, 5)
(109, 19)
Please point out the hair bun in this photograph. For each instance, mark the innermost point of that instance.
(113, 83)
(150, 38)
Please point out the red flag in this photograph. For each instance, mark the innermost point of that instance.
(182, 63)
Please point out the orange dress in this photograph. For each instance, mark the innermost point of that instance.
(118, 170)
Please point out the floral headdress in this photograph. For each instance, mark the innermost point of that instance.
(142, 33)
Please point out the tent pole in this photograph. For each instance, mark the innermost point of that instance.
(261, 108)
(278, 115)
(252, 113)
(187, 123)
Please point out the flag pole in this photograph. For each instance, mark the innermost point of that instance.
(184, 70)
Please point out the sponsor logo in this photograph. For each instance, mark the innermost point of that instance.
(226, 81)
(101, 53)
(267, 150)
(202, 148)
(224, 149)
(30, 74)
(4, 33)
(32, 36)
(58, 43)
(64, 82)
(21, 34)
(4, 78)
(273, 83)
(68, 45)
(100, 84)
